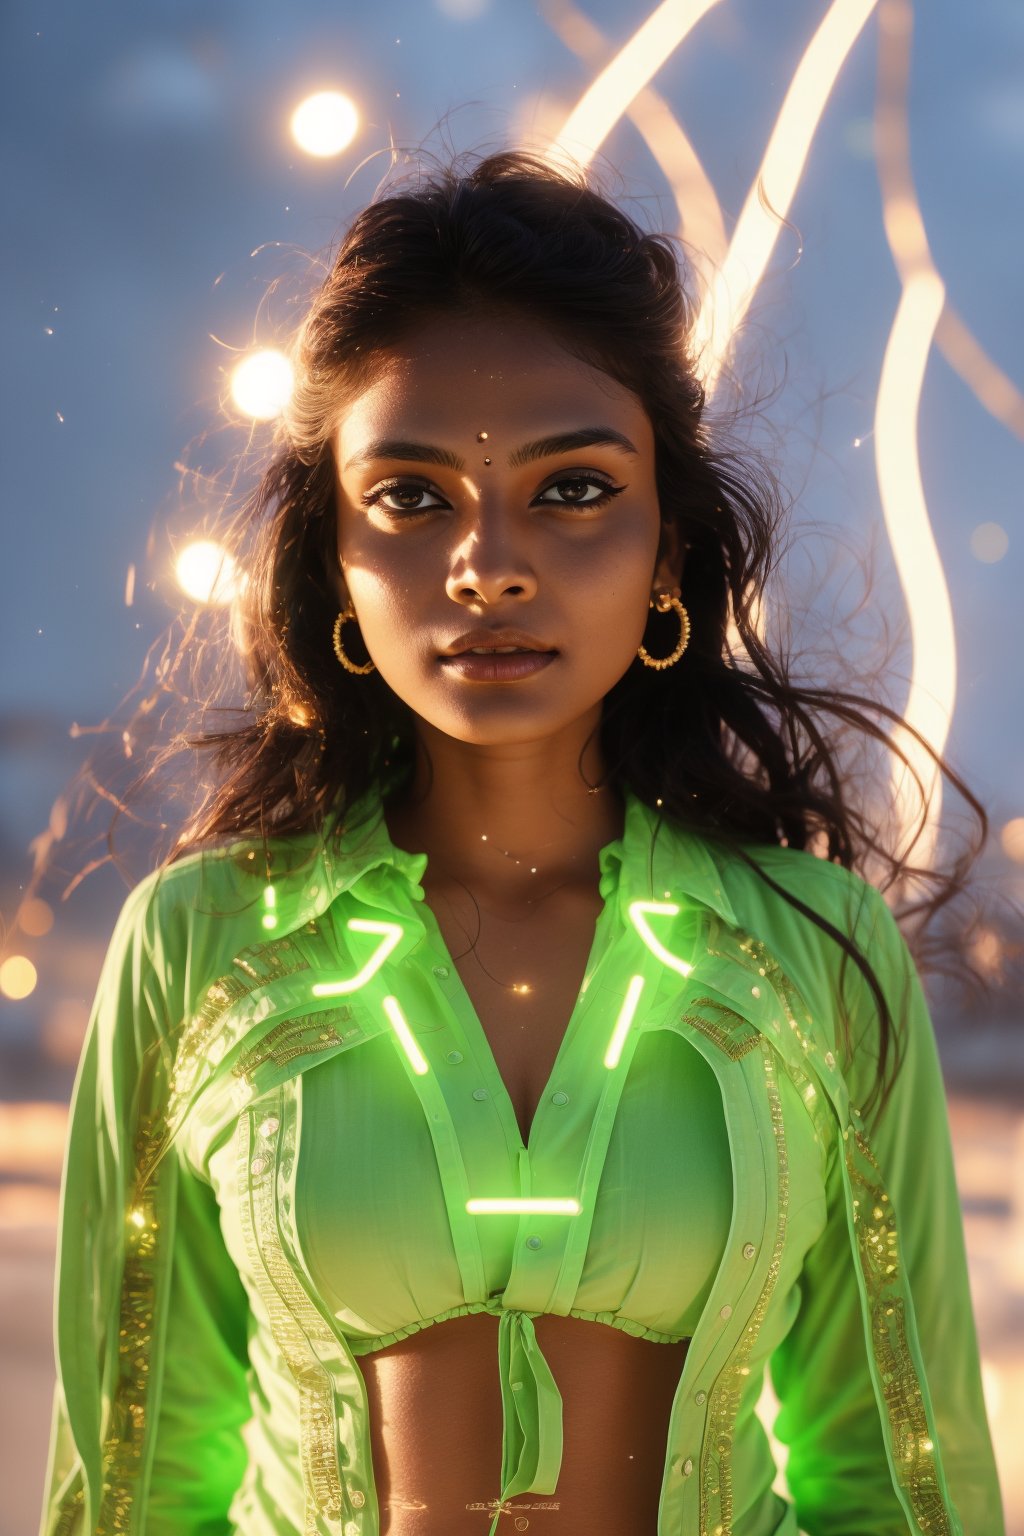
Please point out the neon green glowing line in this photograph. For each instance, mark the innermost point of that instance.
(533, 1207)
(639, 912)
(624, 1020)
(270, 902)
(401, 1028)
(391, 934)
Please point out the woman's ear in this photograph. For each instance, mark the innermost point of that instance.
(671, 556)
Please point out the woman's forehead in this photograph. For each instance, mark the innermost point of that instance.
(436, 387)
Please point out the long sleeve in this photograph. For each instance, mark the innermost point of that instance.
(838, 1469)
(150, 1314)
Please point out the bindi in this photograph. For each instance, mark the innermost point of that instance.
(481, 437)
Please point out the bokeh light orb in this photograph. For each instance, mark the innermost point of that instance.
(325, 124)
(1012, 839)
(989, 542)
(207, 573)
(17, 977)
(261, 384)
(35, 917)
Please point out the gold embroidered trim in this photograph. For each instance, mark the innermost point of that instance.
(294, 1320)
(290, 1039)
(878, 1248)
(735, 1038)
(126, 1434)
(878, 1254)
(197, 1050)
(728, 1389)
(72, 1506)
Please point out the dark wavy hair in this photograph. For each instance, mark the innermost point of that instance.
(728, 743)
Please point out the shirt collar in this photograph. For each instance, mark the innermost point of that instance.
(655, 859)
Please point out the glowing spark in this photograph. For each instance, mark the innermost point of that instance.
(602, 105)
(624, 1020)
(325, 123)
(261, 384)
(391, 934)
(527, 1206)
(207, 573)
(17, 977)
(700, 214)
(416, 1058)
(775, 185)
(933, 684)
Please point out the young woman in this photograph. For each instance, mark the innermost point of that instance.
(493, 1087)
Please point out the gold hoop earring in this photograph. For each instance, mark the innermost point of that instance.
(665, 602)
(339, 649)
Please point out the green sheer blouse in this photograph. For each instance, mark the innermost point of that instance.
(290, 1146)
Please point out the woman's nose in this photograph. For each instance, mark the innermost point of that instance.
(490, 565)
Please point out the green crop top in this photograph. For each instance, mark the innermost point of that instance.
(290, 1146)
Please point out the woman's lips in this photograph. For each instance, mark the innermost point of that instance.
(497, 668)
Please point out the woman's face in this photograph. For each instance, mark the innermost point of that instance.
(451, 518)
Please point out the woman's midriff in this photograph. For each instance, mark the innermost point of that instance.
(436, 1430)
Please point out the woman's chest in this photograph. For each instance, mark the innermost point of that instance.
(522, 976)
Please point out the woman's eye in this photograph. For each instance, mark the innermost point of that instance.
(577, 485)
(399, 489)
(573, 491)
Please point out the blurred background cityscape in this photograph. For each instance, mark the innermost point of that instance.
(847, 178)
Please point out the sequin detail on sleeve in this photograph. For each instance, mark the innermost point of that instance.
(298, 1037)
(716, 1488)
(294, 1320)
(124, 1442)
(71, 1509)
(878, 1250)
(201, 1044)
(732, 1034)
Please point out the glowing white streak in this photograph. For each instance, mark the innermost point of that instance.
(416, 1058)
(776, 182)
(700, 213)
(933, 682)
(603, 104)
(904, 225)
(527, 1206)
(638, 913)
(623, 1022)
(391, 934)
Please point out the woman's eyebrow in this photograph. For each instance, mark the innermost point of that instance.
(541, 448)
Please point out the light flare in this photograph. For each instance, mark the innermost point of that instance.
(636, 63)
(771, 195)
(390, 936)
(262, 383)
(1011, 839)
(417, 1060)
(325, 123)
(207, 573)
(524, 1206)
(18, 977)
(699, 211)
(622, 1024)
(904, 225)
(639, 912)
(929, 706)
